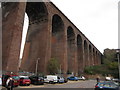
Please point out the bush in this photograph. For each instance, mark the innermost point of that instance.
(105, 69)
(109, 66)
(53, 66)
(92, 70)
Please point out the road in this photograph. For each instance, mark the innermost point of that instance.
(70, 84)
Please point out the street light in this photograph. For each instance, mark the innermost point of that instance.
(60, 70)
(118, 57)
(36, 69)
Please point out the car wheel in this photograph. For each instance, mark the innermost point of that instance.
(50, 82)
(16, 85)
(35, 83)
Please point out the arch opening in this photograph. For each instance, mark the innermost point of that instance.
(97, 57)
(70, 49)
(58, 40)
(86, 52)
(79, 54)
(93, 56)
(36, 11)
(34, 44)
(57, 25)
(100, 58)
(90, 55)
(24, 33)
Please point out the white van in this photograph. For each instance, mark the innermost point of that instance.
(51, 79)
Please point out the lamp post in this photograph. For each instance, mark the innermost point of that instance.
(60, 70)
(36, 69)
(118, 57)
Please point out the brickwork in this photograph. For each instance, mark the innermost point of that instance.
(11, 35)
(50, 35)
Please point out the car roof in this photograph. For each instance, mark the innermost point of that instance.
(35, 76)
(106, 82)
(23, 76)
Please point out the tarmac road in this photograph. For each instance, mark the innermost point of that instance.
(81, 85)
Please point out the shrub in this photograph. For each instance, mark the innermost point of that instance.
(53, 66)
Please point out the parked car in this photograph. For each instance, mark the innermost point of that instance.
(108, 78)
(37, 80)
(65, 80)
(106, 86)
(73, 78)
(81, 78)
(116, 80)
(24, 80)
(61, 80)
(15, 78)
(0, 81)
(51, 79)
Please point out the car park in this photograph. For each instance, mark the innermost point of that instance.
(106, 86)
(24, 80)
(36, 80)
(15, 79)
(73, 78)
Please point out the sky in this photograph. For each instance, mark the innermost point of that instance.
(96, 19)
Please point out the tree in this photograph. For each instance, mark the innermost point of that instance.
(109, 56)
(109, 66)
(53, 66)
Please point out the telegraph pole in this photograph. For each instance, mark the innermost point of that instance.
(118, 57)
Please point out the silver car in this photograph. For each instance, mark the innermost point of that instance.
(0, 81)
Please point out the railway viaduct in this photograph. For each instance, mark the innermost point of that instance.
(50, 35)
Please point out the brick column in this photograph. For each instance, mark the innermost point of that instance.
(13, 16)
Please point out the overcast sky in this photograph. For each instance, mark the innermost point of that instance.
(97, 19)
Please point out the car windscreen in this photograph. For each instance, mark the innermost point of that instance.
(24, 77)
(16, 77)
(52, 77)
(112, 85)
(72, 77)
(40, 77)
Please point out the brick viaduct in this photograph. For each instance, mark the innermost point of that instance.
(50, 35)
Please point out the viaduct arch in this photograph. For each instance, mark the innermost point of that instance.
(50, 35)
(70, 48)
(35, 43)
